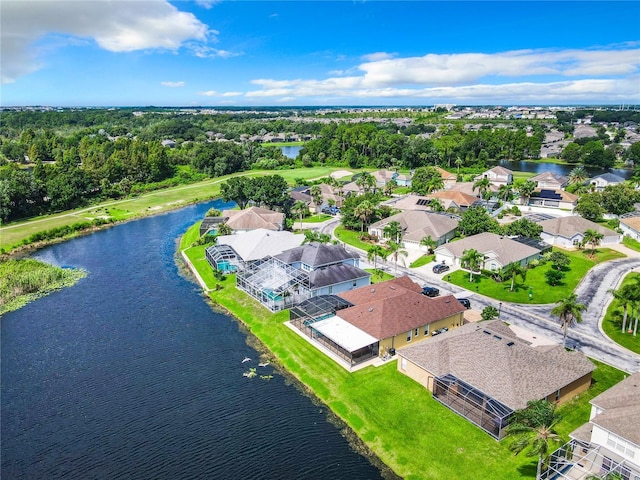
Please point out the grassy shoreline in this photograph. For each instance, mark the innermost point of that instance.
(396, 418)
(25, 280)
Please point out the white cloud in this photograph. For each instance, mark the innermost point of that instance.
(116, 26)
(207, 3)
(204, 51)
(173, 84)
(231, 94)
(537, 75)
(209, 93)
(376, 57)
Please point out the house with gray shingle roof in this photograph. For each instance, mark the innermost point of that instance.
(568, 232)
(609, 442)
(485, 372)
(499, 251)
(550, 180)
(416, 225)
(600, 182)
(497, 175)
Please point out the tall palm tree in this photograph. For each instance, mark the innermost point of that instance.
(505, 192)
(569, 311)
(428, 242)
(472, 260)
(514, 270)
(459, 162)
(395, 249)
(364, 211)
(436, 205)
(594, 238)
(223, 229)
(316, 195)
(374, 252)
(300, 207)
(393, 230)
(534, 432)
(525, 189)
(578, 175)
(366, 181)
(390, 186)
(624, 297)
(482, 186)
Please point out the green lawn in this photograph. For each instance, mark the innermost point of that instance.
(13, 234)
(397, 418)
(631, 243)
(581, 262)
(351, 237)
(315, 218)
(378, 275)
(423, 260)
(612, 322)
(190, 236)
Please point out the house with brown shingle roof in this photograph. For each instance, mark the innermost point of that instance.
(397, 314)
(554, 198)
(499, 251)
(630, 225)
(416, 225)
(253, 218)
(449, 178)
(455, 199)
(568, 232)
(609, 442)
(485, 372)
(497, 175)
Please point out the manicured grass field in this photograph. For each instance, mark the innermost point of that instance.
(13, 234)
(423, 260)
(378, 276)
(396, 417)
(631, 243)
(314, 218)
(351, 237)
(542, 292)
(613, 328)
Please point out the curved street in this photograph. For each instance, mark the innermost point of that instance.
(587, 336)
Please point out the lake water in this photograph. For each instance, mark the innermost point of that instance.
(131, 375)
(532, 167)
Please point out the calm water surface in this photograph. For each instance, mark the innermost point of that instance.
(131, 375)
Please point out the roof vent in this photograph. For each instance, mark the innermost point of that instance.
(373, 290)
(496, 336)
(371, 309)
(510, 344)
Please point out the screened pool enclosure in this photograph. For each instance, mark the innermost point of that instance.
(473, 404)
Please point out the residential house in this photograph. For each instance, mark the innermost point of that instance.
(548, 180)
(630, 225)
(600, 182)
(553, 198)
(499, 251)
(384, 176)
(485, 372)
(498, 176)
(609, 444)
(455, 200)
(234, 252)
(448, 178)
(568, 232)
(239, 221)
(416, 224)
(302, 272)
(329, 195)
(468, 188)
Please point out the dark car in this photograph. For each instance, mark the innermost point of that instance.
(465, 303)
(439, 268)
(430, 291)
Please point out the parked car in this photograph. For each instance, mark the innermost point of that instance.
(430, 291)
(331, 210)
(465, 303)
(440, 267)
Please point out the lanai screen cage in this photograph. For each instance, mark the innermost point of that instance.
(223, 258)
(315, 309)
(275, 284)
(473, 404)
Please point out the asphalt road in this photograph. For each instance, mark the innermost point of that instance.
(586, 337)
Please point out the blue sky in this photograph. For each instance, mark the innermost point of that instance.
(243, 53)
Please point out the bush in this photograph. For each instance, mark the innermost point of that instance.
(554, 277)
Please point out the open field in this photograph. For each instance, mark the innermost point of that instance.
(12, 235)
(394, 416)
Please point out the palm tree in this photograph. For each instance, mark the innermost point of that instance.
(505, 192)
(594, 238)
(458, 161)
(472, 260)
(578, 175)
(374, 252)
(316, 195)
(390, 186)
(624, 297)
(534, 431)
(428, 242)
(393, 230)
(395, 249)
(569, 311)
(525, 189)
(482, 186)
(514, 270)
(364, 211)
(224, 229)
(300, 207)
(436, 205)
(366, 181)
